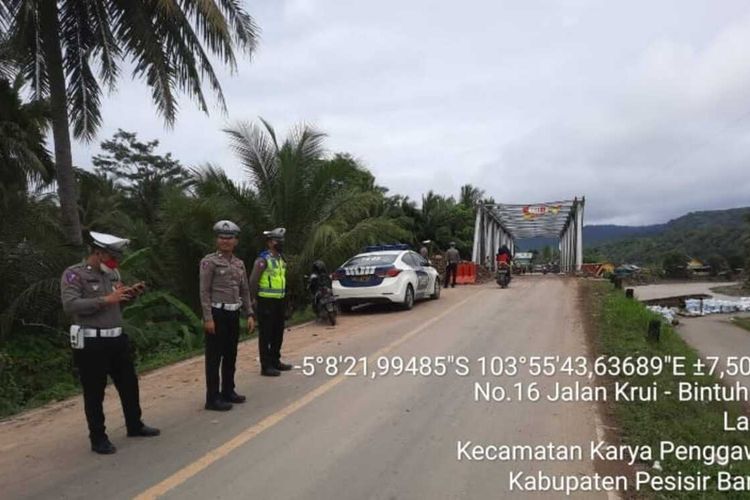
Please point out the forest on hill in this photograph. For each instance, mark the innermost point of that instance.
(719, 237)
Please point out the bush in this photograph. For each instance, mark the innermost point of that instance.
(35, 367)
(10, 394)
(159, 321)
(675, 265)
(717, 263)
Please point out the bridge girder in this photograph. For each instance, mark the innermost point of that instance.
(498, 223)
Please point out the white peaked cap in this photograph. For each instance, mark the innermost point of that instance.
(108, 241)
(275, 234)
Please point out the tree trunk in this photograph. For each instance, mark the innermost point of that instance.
(66, 182)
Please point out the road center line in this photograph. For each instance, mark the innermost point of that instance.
(190, 470)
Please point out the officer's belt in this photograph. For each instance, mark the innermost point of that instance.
(101, 332)
(226, 307)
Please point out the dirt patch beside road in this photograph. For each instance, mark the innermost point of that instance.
(650, 292)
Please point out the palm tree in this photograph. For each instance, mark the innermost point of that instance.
(28, 229)
(470, 195)
(24, 159)
(330, 206)
(184, 228)
(438, 219)
(169, 42)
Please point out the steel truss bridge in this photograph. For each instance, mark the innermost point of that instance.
(497, 224)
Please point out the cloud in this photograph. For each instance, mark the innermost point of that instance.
(640, 106)
(673, 138)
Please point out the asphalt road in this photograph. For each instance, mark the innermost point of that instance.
(301, 437)
(716, 335)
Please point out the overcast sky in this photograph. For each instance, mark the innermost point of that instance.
(641, 106)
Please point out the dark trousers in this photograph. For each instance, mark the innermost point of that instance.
(450, 270)
(221, 351)
(271, 317)
(101, 357)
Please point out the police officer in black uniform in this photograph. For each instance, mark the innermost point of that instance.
(224, 294)
(91, 293)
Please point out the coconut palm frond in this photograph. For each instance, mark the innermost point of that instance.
(40, 295)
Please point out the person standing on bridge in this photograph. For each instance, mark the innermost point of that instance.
(268, 285)
(224, 293)
(91, 292)
(452, 258)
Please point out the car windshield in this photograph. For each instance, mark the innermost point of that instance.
(371, 260)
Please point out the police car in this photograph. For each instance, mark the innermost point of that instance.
(385, 274)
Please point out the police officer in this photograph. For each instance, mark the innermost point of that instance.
(452, 258)
(224, 294)
(424, 252)
(268, 284)
(91, 293)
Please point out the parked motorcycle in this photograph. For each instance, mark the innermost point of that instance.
(503, 274)
(323, 301)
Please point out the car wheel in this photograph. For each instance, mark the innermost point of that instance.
(436, 292)
(408, 302)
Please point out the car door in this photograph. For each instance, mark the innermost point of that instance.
(432, 273)
(417, 262)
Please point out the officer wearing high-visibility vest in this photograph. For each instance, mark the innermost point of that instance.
(224, 293)
(268, 286)
(91, 292)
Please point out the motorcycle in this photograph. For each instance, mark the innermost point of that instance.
(503, 274)
(323, 301)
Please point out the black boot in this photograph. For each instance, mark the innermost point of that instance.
(144, 431)
(270, 372)
(233, 397)
(103, 446)
(283, 367)
(218, 404)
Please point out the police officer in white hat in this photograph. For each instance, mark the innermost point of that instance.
(224, 294)
(268, 286)
(91, 293)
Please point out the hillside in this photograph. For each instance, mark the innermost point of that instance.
(698, 234)
(703, 235)
(596, 235)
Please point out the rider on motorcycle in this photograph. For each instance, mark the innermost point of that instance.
(504, 257)
(318, 278)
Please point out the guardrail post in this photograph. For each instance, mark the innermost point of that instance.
(654, 330)
(617, 280)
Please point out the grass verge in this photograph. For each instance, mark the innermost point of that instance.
(59, 382)
(742, 322)
(621, 324)
(167, 357)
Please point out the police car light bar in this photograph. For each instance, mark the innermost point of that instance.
(381, 248)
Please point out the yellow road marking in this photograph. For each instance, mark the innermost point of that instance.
(243, 437)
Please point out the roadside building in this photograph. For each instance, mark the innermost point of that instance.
(598, 269)
(697, 267)
(522, 261)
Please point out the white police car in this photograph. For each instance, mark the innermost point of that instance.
(385, 274)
